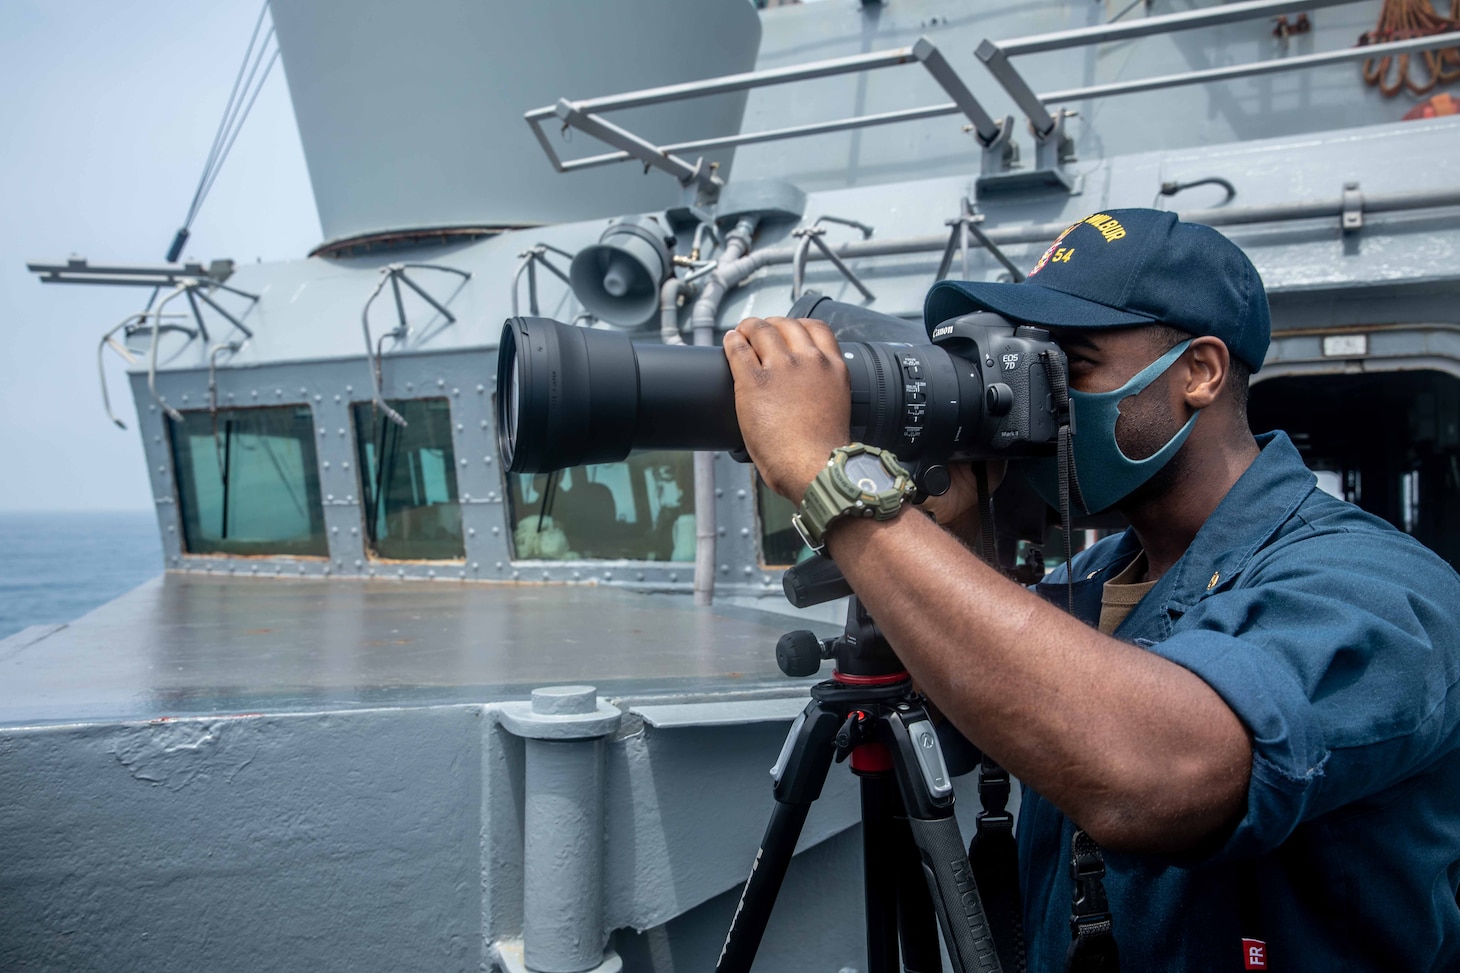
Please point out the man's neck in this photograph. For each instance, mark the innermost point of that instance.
(1167, 523)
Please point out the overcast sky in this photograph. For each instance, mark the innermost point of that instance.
(108, 113)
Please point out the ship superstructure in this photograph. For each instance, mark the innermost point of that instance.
(314, 742)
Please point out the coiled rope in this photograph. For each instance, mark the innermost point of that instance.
(1401, 20)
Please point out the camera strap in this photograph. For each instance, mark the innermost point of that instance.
(1069, 485)
(988, 551)
(1092, 937)
(994, 857)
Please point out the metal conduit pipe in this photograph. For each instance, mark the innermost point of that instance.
(702, 319)
(669, 309)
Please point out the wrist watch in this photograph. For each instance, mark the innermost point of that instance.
(857, 481)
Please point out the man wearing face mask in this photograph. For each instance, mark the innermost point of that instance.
(1254, 711)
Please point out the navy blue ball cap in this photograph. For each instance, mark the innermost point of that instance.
(1128, 267)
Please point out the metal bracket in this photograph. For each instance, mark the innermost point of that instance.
(531, 257)
(1052, 147)
(1001, 153)
(197, 290)
(696, 174)
(964, 226)
(129, 325)
(76, 270)
(813, 234)
(396, 275)
(1353, 208)
(193, 279)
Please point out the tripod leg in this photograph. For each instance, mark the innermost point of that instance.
(955, 895)
(927, 793)
(917, 922)
(759, 896)
(880, 849)
(799, 773)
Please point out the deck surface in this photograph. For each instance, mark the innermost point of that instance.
(185, 645)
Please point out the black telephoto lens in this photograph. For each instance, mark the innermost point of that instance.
(573, 396)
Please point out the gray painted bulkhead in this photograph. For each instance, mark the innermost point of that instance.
(311, 819)
(383, 839)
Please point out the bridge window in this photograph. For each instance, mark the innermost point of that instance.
(1387, 441)
(248, 482)
(408, 481)
(641, 509)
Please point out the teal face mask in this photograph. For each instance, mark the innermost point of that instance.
(1105, 474)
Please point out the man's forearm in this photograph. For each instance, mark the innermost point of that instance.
(1136, 749)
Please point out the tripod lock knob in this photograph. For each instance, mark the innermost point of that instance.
(800, 653)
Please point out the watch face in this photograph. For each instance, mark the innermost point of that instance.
(868, 474)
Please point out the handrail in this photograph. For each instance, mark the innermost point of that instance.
(1186, 20)
(775, 134)
(584, 114)
(1274, 66)
(725, 84)
(995, 56)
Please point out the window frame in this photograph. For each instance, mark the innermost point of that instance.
(366, 495)
(173, 429)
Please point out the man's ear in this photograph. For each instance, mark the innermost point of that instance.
(1207, 365)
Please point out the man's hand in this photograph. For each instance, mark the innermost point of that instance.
(957, 510)
(792, 397)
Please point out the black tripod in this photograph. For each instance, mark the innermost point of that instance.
(915, 861)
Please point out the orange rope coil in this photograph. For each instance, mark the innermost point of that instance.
(1400, 20)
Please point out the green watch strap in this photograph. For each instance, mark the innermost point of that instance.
(833, 495)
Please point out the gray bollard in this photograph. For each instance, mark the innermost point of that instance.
(563, 828)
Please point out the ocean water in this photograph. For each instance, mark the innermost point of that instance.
(55, 567)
